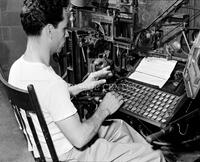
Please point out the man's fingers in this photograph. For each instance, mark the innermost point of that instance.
(110, 74)
(106, 68)
(118, 96)
(102, 72)
(112, 92)
(99, 82)
(121, 101)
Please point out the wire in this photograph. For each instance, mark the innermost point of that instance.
(186, 129)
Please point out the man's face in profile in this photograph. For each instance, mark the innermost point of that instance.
(60, 34)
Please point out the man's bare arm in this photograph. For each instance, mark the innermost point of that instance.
(79, 134)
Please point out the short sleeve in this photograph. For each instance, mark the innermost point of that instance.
(59, 104)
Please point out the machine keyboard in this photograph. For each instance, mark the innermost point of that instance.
(146, 102)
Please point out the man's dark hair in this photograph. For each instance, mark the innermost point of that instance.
(36, 14)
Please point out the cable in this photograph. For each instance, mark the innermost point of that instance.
(179, 129)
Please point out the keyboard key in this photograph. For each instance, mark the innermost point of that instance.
(163, 120)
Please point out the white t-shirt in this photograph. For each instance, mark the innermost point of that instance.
(53, 95)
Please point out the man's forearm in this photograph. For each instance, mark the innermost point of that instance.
(92, 125)
(76, 89)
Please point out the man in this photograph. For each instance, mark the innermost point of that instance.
(45, 23)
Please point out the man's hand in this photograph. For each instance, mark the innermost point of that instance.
(96, 78)
(111, 102)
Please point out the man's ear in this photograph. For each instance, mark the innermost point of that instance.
(49, 31)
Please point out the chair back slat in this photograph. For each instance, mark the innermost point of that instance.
(2, 74)
(36, 139)
(38, 111)
(21, 122)
(27, 101)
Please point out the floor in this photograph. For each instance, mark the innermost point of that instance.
(13, 147)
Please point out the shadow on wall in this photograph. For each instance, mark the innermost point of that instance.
(4, 58)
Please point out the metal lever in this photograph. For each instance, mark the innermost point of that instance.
(158, 134)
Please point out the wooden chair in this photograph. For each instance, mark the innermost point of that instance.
(27, 101)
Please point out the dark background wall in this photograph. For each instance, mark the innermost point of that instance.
(12, 37)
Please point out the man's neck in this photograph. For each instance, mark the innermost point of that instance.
(36, 51)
